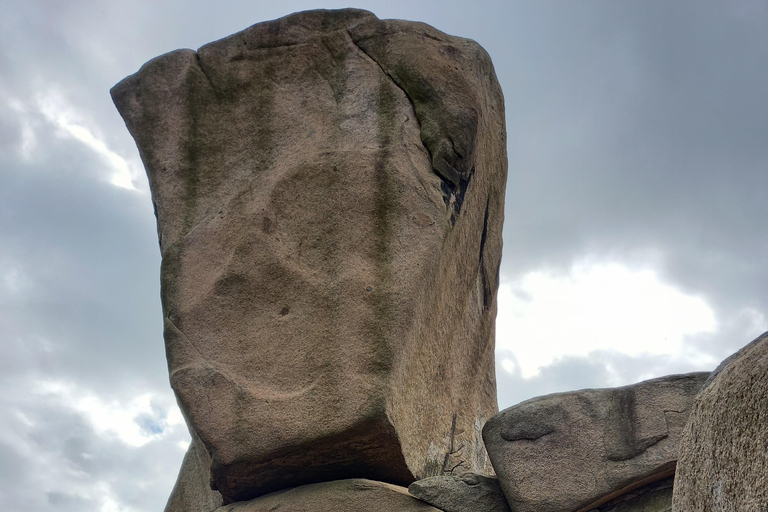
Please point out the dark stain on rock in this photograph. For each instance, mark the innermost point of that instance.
(266, 225)
(488, 286)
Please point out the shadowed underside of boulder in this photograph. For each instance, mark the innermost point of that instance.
(654, 497)
(574, 451)
(329, 195)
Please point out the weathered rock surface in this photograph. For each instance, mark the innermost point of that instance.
(192, 492)
(329, 193)
(469, 492)
(573, 451)
(654, 497)
(352, 495)
(723, 462)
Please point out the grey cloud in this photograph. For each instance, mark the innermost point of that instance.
(62, 462)
(634, 127)
(649, 132)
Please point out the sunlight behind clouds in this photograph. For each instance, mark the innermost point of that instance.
(134, 423)
(595, 307)
(58, 112)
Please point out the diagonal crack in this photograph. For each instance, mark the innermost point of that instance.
(398, 85)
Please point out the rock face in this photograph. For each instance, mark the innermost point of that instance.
(192, 492)
(352, 495)
(469, 492)
(723, 462)
(329, 194)
(574, 451)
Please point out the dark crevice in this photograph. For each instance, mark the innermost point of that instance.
(205, 73)
(461, 189)
(448, 466)
(488, 287)
(454, 194)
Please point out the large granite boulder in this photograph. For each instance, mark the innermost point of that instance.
(573, 451)
(723, 464)
(351, 495)
(469, 492)
(329, 194)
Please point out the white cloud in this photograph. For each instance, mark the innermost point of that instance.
(14, 282)
(543, 316)
(71, 123)
(135, 422)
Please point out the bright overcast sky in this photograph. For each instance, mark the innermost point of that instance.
(634, 245)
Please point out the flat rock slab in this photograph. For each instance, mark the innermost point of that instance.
(573, 451)
(466, 493)
(329, 193)
(352, 495)
(654, 497)
(723, 464)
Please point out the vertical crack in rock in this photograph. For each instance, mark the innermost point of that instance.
(204, 72)
(488, 287)
(449, 464)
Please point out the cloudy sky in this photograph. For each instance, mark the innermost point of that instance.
(635, 236)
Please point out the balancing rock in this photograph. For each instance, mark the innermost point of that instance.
(574, 451)
(329, 193)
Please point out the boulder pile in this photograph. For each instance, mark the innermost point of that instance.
(329, 193)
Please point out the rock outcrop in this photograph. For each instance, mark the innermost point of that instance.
(573, 451)
(329, 194)
(723, 465)
(469, 492)
(351, 495)
(192, 492)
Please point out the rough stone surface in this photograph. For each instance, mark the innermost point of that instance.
(655, 497)
(469, 492)
(352, 495)
(573, 451)
(192, 492)
(329, 192)
(723, 462)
